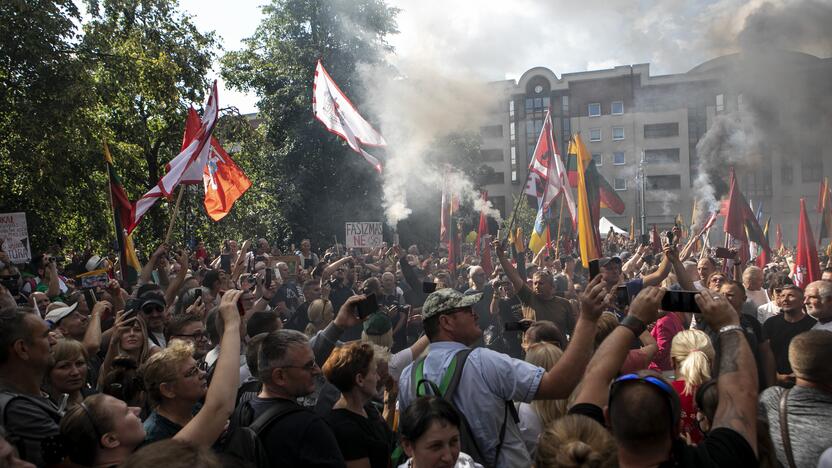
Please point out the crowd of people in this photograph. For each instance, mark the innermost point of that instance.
(248, 355)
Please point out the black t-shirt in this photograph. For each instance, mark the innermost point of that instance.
(298, 439)
(359, 437)
(511, 310)
(287, 293)
(780, 334)
(722, 447)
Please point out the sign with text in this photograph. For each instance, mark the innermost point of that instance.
(14, 237)
(362, 234)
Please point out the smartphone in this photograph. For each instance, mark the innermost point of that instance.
(594, 269)
(130, 315)
(645, 239)
(367, 306)
(89, 296)
(517, 326)
(680, 301)
(197, 292)
(428, 287)
(225, 262)
(622, 297)
(722, 252)
(268, 280)
(669, 235)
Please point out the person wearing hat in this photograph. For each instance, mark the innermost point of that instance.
(378, 330)
(490, 380)
(68, 321)
(154, 312)
(808, 404)
(783, 327)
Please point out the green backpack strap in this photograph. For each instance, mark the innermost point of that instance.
(419, 381)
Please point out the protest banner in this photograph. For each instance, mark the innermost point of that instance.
(14, 237)
(363, 235)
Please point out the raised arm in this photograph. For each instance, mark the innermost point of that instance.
(92, 337)
(173, 287)
(565, 375)
(737, 374)
(206, 427)
(147, 270)
(610, 356)
(656, 278)
(681, 273)
(508, 269)
(54, 286)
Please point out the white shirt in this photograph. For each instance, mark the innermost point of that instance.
(530, 426)
(766, 311)
(823, 326)
(758, 297)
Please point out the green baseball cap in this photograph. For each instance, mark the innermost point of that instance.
(377, 324)
(447, 299)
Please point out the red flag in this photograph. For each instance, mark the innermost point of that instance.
(806, 265)
(740, 220)
(657, 242)
(445, 214)
(608, 198)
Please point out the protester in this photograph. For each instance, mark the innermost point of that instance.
(493, 379)
(30, 417)
(362, 435)
(692, 356)
(67, 374)
(535, 416)
(68, 321)
(429, 430)
(576, 441)
(781, 328)
(752, 280)
(129, 339)
(818, 300)
(191, 329)
(806, 408)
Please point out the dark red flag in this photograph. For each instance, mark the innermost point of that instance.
(806, 265)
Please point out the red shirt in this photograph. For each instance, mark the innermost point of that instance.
(666, 328)
(688, 417)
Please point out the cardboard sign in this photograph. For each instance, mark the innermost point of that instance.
(292, 261)
(14, 236)
(364, 235)
(94, 279)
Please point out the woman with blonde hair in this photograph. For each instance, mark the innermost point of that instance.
(692, 354)
(538, 414)
(576, 441)
(129, 339)
(320, 315)
(67, 373)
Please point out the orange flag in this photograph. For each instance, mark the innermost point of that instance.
(223, 180)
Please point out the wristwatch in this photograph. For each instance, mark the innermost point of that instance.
(634, 325)
(728, 328)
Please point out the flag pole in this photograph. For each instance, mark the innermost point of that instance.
(560, 224)
(119, 230)
(175, 212)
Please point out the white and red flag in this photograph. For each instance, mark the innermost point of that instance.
(186, 167)
(224, 182)
(332, 107)
(547, 166)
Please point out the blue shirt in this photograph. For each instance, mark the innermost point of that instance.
(488, 380)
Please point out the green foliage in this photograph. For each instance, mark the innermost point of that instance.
(526, 214)
(318, 182)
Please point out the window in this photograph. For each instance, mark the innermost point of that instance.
(512, 131)
(492, 131)
(594, 134)
(661, 156)
(595, 109)
(511, 108)
(787, 173)
(720, 103)
(494, 178)
(533, 128)
(513, 156)
(664, 182)
(618, 158)
(564, 104)
(617, 108)
(618, 133)
(620, 183)
(491, 155)
(598, 158)
(529, 104)
(661, 130)
(811, 168)
(513, 176)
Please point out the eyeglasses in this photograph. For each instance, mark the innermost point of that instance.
(196, 336)
(309, 366)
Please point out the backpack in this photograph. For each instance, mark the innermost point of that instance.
(446, 390)
(243, 442)
(50, 448)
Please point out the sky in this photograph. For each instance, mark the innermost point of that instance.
(491, 40)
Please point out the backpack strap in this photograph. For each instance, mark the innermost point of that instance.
(784, 428)
(276, 411)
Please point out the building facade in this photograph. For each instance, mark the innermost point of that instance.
(634, 123)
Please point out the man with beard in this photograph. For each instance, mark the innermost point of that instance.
(782, 328)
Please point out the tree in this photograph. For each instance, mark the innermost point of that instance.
(318, 181)
(148, 63)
